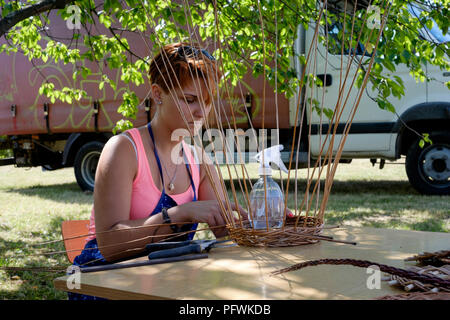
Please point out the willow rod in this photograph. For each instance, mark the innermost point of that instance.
(223, 210)
(330, 147)
(337, 114)
(296, 118)
(347, 129)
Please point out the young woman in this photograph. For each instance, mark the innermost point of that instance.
(140, 180)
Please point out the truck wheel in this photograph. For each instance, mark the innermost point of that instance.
(428, 168)
(85, 164)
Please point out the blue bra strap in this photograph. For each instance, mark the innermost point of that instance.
(188, 167)
(150, 131)
(156, 153)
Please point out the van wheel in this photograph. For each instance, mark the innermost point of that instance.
(428, 168)
(85, 164)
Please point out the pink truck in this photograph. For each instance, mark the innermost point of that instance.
(58, 135)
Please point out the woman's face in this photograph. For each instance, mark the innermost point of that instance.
(187, 103)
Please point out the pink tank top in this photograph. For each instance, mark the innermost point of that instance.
(145, 195)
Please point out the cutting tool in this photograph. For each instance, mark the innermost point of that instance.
(178, 248)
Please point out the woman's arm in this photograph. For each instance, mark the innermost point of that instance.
(117, 235)
(210, 189)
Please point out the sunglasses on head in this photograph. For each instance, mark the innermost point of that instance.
(188, 52)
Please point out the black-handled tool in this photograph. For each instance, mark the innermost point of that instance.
(173, 249)
(166, 245)
(113, 266)
(179, 251)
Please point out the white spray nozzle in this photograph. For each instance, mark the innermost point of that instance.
(272, 156)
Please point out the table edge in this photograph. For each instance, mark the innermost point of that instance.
(113, 294)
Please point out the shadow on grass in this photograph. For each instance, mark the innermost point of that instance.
(339, 187)
(71, 191)
(64, 192)
(385, 220)
(376, 187)
(429, 225)
(26, 284)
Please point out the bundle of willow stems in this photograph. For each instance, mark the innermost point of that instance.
(307, 224)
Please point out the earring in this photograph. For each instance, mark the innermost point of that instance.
(159, 102)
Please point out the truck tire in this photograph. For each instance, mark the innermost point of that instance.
(85, 164)
(428, 168)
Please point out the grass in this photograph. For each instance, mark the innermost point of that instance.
(363, 195)
(32, 206)
(33, 203)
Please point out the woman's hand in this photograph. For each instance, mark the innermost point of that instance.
(289, 213)
(210, 212)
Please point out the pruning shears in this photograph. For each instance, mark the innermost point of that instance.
(179, 248)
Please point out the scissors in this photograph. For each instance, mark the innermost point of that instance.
(179, 248)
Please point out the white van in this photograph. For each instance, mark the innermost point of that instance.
(380, 134)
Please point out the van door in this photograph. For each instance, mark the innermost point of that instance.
(370, 134)
(436, 88)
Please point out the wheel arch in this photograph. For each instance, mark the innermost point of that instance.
(422, 118)
(76, 141)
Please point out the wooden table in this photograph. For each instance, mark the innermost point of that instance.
(244, 273)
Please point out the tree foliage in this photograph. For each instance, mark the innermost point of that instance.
(248, 35)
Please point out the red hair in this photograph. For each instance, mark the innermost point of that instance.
(171, 69)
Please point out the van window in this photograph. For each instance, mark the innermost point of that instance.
(434, 34)
(334, 43)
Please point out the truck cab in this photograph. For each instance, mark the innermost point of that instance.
(378, 133)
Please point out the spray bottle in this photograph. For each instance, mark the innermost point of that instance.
(275, 198)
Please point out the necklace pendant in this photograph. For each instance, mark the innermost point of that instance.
(171, 186)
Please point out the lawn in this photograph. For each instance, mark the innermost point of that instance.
(33, 203)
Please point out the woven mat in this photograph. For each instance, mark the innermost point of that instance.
(418, 296)
(436, 259)
(415, 285)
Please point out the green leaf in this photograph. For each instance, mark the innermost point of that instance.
(328, 113)
(85, 72)
(8, 8)
(426, 138)
(385, 105)
(421, 143)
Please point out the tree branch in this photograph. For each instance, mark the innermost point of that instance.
(17, 16)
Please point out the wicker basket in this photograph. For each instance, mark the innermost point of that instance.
(291, 234)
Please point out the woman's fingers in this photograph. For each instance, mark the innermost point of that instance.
(235, 207)
(216, 215)
(219, 219)
(242, 212)
(211, 212)
(289, 213)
